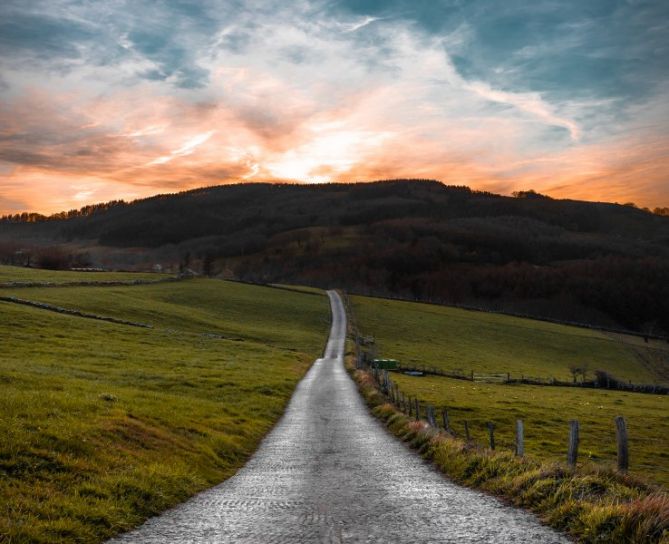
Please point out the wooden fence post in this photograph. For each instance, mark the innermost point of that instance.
(358, 354)
(520, 438)
(417, 409)
(410, 406)
(623, 445)
(467, 437)
(444, 417)
(491, 432)
(430, 416)
(572, 452)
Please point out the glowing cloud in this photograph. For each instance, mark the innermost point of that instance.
(175, 96)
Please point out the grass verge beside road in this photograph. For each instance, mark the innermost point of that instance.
(103, 425)
(451, 338)
(591, 504)
(546, 412)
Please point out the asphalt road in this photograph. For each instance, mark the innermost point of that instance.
(330, 472)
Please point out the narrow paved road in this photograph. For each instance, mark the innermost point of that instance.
(329, 472)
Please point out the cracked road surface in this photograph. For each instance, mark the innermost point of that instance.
(330, 472)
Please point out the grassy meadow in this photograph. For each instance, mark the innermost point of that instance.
(103, 425)
(453, 339)
(546, 412)
(462, 340)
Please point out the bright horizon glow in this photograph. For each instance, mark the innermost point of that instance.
(548, 97)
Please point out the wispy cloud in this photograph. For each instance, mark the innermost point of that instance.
(186, 149)
(352, 27)
(531, 103)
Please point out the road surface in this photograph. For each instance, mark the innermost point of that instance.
(330, 472)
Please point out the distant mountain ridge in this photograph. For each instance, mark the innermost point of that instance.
(596, 262)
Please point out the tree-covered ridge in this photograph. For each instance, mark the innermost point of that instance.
(582, 261)
(84, 211)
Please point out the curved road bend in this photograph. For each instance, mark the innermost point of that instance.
(330, 472)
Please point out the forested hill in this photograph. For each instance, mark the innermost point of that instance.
(595, 262)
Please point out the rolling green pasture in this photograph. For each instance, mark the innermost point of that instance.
(233, 310)
(453, 339)
(25, 275)
(546, 412)
(103, 425)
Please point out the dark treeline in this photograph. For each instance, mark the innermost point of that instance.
(600, 263)
(85, 211)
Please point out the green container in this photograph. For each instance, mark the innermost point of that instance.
(385, 364)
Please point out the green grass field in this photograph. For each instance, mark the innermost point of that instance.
(63, 277)
(103, 425)
(197, 306)
(546, 412)
(451, 339)
(455, 339)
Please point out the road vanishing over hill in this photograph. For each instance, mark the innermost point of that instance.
(329, 472)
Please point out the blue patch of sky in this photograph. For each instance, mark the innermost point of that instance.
(53, 35)
(41, 34)
(566, 48)
(563, 48)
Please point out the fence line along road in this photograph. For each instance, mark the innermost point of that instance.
(413, 409)
(602, 380)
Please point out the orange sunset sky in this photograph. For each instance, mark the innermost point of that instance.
(126, 100)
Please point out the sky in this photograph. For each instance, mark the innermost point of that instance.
(112, 99)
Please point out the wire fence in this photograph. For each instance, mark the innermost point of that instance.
(413, 407)
(602, 380)
(365, 353)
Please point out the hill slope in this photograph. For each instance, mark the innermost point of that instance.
(453, 339)
(592, 262)
(105, 424)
